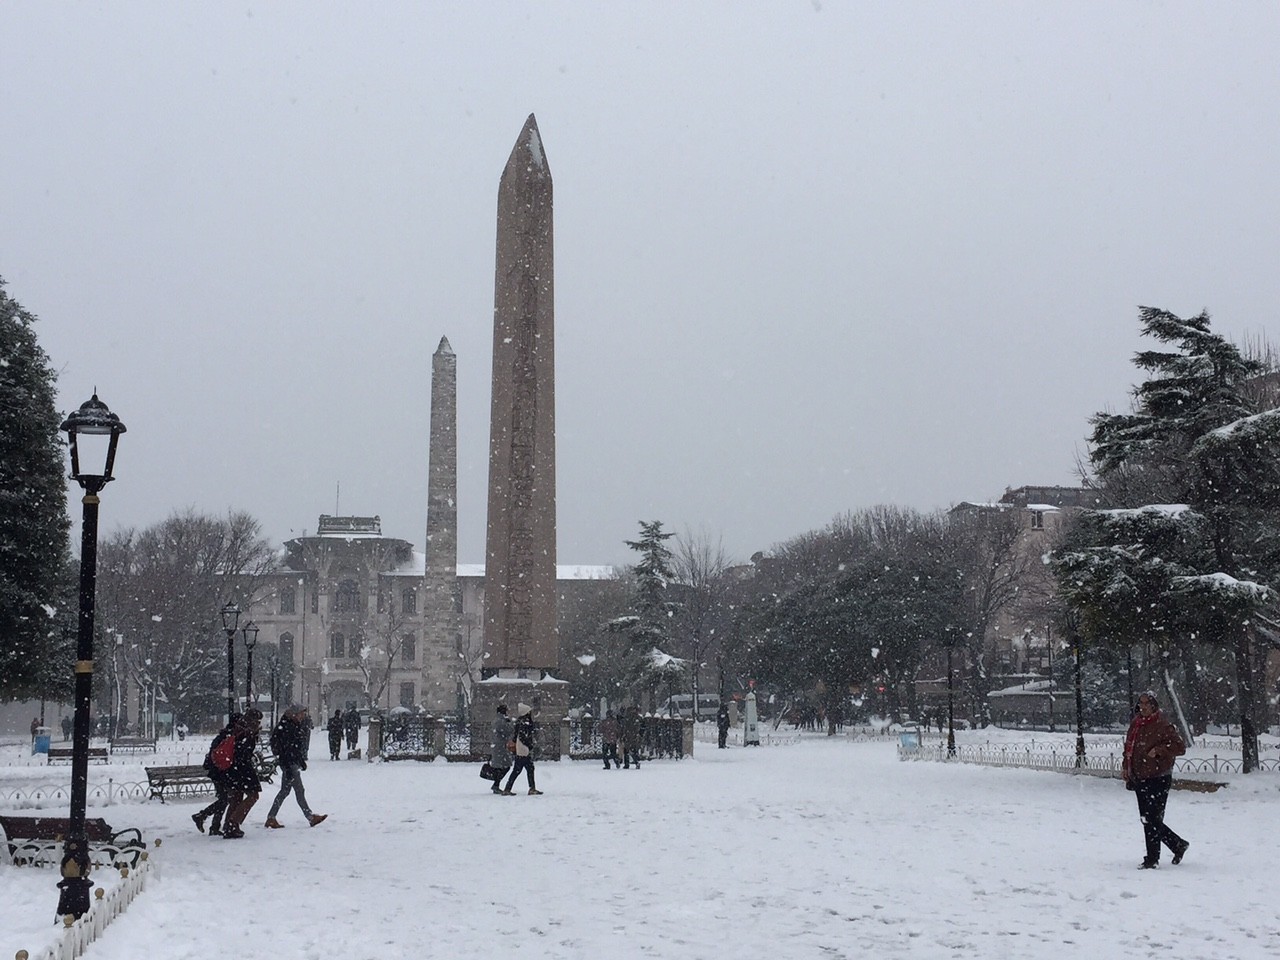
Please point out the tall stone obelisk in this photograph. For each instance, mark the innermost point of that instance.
(521, 642)
(439, 604)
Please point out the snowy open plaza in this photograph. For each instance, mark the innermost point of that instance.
(810, 847)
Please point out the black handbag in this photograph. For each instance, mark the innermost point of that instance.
(489, 772)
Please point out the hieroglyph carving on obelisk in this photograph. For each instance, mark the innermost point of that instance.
(520, 561)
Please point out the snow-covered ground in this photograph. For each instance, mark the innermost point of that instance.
(814, 849)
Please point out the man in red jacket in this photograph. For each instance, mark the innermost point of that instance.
(1150, 748)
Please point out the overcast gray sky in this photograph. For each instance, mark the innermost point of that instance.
(810, 256)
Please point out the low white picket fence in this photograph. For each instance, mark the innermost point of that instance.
(75, 937)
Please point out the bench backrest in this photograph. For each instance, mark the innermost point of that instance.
(175, 772)
(52, 828)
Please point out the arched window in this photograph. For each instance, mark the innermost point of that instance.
(409, 601)
(337, 645)
(288, 600)
(348, 598)
(353, 647)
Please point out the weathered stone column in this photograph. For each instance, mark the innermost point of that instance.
(441, 622)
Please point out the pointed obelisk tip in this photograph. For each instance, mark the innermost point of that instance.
(444, 346)
(527, 155)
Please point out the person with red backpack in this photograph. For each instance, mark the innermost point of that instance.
(216, 763)
(243, 785)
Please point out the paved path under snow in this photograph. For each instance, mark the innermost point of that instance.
(814, 850)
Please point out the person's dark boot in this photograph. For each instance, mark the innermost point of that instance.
(1180, 850)
(1149, 865)
(198, 820)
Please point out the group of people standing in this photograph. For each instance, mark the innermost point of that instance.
(341, 724)
(237, 788)
(621, 733)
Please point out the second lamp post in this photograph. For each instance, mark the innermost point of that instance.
(230, 620)
(250, 633)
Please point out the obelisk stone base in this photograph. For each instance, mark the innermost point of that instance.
(548, 696)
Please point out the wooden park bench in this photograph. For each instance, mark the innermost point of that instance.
(133, 745)
(193, 781)
(64, 754)
(185, 781)
(38, 841)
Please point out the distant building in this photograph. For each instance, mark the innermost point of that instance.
(354, 624)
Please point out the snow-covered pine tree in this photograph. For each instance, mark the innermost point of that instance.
(36, 600)
(1196, 438)
(647, 630)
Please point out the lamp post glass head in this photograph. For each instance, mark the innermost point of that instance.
(250, 633)
(230, 617)
(93, 432)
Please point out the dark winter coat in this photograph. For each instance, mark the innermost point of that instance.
(335, 728)
(352, 722)
(526, 737)
(609, 730)
(1151, 735)
(503, 731)
(289, 742)
(243, 774)
(629, 729)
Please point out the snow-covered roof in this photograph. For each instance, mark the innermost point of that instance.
(564, 571)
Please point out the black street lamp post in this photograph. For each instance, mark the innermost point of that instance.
(230, 620)
(1079, 681)
(951, 705)
(95, 423)
(950, 637)
(250, 633)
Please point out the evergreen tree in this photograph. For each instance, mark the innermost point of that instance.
(1194, 438)
(35, 612)
(648, 629)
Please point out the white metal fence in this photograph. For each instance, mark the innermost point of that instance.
(74, 938)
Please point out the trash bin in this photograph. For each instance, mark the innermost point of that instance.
(40, 743)
(909, 741)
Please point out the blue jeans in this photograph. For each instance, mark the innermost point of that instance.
(290, 779)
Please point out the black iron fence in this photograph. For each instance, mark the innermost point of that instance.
(426, 738)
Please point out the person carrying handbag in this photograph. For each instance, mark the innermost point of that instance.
(524, 744)
(499, 755)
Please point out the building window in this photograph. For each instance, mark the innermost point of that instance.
(353, 648)
(348, 599)
(409, 601)
(337, 645)
(408, 648)
(382, 600)
(315, 599)
(288, 600)
(1037, 519)
(406, 694)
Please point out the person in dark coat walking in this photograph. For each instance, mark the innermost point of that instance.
(609, 739)
(243, 785)
(499, 755)
(1150, 748)
(335, 728)
(219, 780)
(289, 742)
(525, 740)
(629, 736)
(722, 724)
(352, 722)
